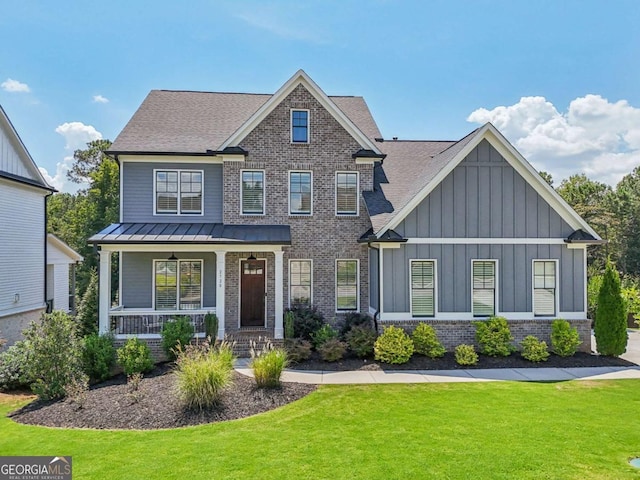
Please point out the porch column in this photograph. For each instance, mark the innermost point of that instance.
(279, 301)
(220, 289)
(104, 291)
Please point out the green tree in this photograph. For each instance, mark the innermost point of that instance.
(546, 177)
(87, 317)
(611, 321)
(626, 209)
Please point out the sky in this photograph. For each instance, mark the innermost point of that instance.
(560, 78)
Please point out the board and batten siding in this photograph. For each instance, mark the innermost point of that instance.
(138, 196)
(10, 160)
(453, 275)
(22, 243)
(484, 197)
(137, 277)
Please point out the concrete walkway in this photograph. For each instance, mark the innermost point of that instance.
(470, 375)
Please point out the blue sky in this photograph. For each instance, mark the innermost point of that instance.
(560, 78)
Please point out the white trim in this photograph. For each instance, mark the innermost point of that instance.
(148, 336)
(557, 287)
(380, 278)
(264, 193)
(204, 159)
(335, 194)
(372, 311)
(65, 249)
(486, 241)
(179, 171)
(28, 308)
(496, 285)
(291, 214)
(104, 289)
(310, 260)
(178, 261)
(366, 160)
(266, 281)
(291, 110)
(278, 267)
(121, 186)
(188, 247)
(584, 281)
(232, 157)
(299, 78)
(221, 270)
(335, 284)
(406, 316)
(435, 287)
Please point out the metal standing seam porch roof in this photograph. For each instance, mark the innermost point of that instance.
(197, 233)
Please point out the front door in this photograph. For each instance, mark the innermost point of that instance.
(252, 292)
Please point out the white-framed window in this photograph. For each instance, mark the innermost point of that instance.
(178, 192)
(545, 287)
(483, 296)
(347, 184)
(177, 284)
(300, 193)
(300, 282)
(252, 195)
(423, 287)
(299, 126)
(347, 282)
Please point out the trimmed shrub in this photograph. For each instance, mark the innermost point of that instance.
(13, 366)
(323, 334)
(298, 350)
(306, 321)
(56, 354)
(534, 349)
(466, 355)
(611, 322)
(355, 319)
(134, 357)
(425, 341)
(98, 356)
(87, 316)
(174, 333)
(268, 366)
(394, 346)
(211, 326)
(494, 337)
(361, 340)
(564, 339)
(289, 319)
(332, 350)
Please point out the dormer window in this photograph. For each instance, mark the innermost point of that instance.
(299, 126)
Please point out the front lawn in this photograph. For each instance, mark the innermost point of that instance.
(575, 430)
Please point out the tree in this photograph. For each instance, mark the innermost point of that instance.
(626, 208)
(611, 322)
(87, 161)
(87, 317)
(546, 177)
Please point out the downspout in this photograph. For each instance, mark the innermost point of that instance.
(377, 312)
(46, 221)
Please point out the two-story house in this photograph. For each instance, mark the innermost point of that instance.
(243, 204)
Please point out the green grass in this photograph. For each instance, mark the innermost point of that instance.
(570, 430)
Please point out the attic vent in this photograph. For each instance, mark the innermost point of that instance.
(395, 139)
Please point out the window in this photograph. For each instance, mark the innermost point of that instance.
(347, 193)
(300, 191)
(544, 287)
(484, 288)
(423, 288)
(300, 282)
(300, 126)
(252, 192)
(178, 192)
(178, 284)
(346, 285)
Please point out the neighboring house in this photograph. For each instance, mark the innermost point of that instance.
(61, 263)
(243, 204)
(23, 193)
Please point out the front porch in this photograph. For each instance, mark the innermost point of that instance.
(147, 323)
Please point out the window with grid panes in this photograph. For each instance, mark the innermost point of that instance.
(299, 126)
(178, 284)
(544, 288)
(423, 288)
(300, 282)
(300, 193)
(347, 193)
(484, 288)
(253, 192)
(178, 191)
(346, 285)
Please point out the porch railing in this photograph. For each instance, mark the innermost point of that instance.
(125, 322)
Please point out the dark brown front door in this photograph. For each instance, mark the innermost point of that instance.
(252, 293)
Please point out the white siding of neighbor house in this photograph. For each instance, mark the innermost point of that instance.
(10, 161)
(58, 285)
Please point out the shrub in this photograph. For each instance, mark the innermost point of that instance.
(393, 346)
(306, 321)
(332, 350)
(211, 326)
(134, 381)
(202, 373)
(425, 341)
(174, 333)
(76, 391)
(134, 357)
(87, 317)
(355, 319)
(466, 355)
(268, 366)
(534, 350)
(324, 333)
(56, 354)
(361, 340)
(289, 319)
(611, 322)
(298, 350)
(564, 339)
(98, 356)
(13, 366)
(494, 337)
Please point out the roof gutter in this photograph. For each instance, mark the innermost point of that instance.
(208, 153)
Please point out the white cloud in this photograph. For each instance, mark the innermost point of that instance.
(77, 134)
(14, 86)
(594, 136)
(59, 180)
(100, 99)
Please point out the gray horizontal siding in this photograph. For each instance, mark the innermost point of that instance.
(138, 196)
(137, 277)
(484, 197)
(454, 275)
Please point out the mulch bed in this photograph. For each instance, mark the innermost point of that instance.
(111, 405)
(448, 362)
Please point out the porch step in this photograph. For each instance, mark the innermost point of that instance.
(243, 341)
